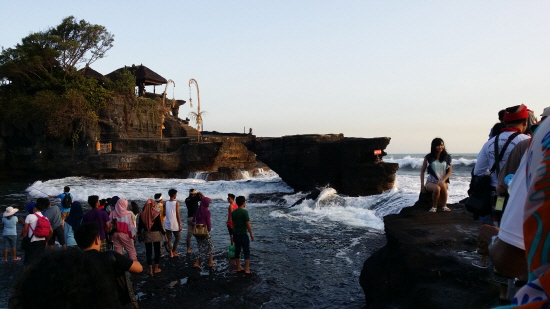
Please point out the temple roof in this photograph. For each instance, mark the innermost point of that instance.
(143, 75)
(91, 73)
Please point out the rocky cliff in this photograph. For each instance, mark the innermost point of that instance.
(132, 130)
(137, 137)
(307, 162)
(426, 263)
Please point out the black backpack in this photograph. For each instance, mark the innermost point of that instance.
(67, 201)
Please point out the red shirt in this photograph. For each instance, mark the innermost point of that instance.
(229, 210)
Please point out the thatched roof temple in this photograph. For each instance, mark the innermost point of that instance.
(144, 77)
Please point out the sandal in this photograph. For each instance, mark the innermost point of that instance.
(433, 209)
(446, 208)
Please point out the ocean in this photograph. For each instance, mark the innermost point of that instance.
(309, 255)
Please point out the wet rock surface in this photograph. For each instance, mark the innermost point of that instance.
(426, 263)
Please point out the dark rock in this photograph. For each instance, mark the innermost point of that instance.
(426, 263)
(311, 196)
(307, 162)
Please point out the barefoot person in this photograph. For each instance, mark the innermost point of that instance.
(439, 166)
(172, 221)
(192, 203)
(150, 223)
(232, 206)
(10, 232)
(241, 224)
(206, 247)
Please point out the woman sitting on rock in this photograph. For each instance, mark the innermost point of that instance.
(440, 167)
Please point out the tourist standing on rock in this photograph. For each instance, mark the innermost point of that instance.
(65, 206)
(54, 216)
(123, 238)
(36, 245)
(9, 235)
(241, 224)
(232, 206)
(192, 203)
(150, 224)
(172, 223)
(515, 120)
(134, 212)
(72, 222)
(159, 206)
(440, 167)
(206, 247)
(99, 217)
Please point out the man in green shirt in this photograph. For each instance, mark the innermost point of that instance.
(241, 223)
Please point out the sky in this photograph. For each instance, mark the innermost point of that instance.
(409, 70)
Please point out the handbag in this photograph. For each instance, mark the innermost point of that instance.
(480, 192)
(151, 236)
(231, 252)
(200, 231)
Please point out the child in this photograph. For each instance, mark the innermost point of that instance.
(10, 232)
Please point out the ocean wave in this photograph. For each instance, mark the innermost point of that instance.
(416, 162)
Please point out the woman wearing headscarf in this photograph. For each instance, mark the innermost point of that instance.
(150, 224)
(125, 229)
(206, 247)
(72, 223)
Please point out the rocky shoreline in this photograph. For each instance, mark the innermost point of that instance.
(426, 263)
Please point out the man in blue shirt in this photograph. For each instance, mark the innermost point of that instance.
(64, 211)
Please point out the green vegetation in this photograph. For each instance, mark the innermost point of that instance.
(40, 80)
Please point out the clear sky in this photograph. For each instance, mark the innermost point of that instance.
(409, 70)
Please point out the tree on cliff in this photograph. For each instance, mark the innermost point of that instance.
(40, 82)
(43, 56)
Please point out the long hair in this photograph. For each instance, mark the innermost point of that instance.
(436, 142)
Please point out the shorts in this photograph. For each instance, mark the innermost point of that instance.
(9, 241)
(59, 234)
(230, 230)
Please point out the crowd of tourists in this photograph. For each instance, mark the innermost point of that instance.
(104, 239)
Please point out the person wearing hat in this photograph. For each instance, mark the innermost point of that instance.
(10, 232)
(192, 203)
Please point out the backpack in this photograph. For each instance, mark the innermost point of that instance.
(67, 201)
(42, 227)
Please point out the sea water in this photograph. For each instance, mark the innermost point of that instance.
(309, 255)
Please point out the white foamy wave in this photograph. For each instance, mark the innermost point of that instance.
(464, 161)
(144, 188)
(416, 162)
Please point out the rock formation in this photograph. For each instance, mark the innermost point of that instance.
(307, 162)
(426, 263)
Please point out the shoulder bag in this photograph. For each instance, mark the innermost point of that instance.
(479, 200)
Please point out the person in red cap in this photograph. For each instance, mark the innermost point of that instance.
(491, 162)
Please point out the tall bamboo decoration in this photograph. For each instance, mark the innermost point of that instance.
(198, 115)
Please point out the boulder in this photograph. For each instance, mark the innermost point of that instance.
(426, 263)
